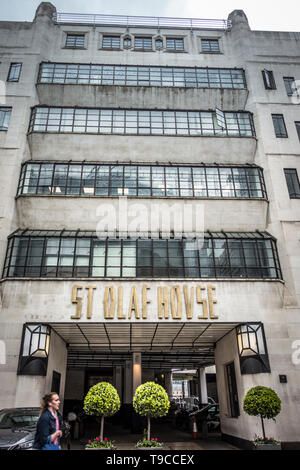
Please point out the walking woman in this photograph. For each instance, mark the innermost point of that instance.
(48, 430)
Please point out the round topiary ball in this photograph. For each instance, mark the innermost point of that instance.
(102, 400)
(262, 401)
(152, 400)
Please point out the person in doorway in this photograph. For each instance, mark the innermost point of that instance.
(48, 430)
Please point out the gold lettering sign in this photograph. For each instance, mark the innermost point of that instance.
(173, 302)
(78, 301)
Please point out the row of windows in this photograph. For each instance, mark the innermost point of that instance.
(118, 121)
(238, 255)
(109, 121)
(141, 43)
(141, 75)
(141, 180)
(148, 180)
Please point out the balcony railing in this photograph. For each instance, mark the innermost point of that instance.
(145, 21)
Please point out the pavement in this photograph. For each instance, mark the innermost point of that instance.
(172, 439)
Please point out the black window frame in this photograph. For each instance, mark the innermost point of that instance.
(297, 124)
(39, 178)
(126, 121)
(208, 45)
(269, 80)
(232, 390)
(43, 254)
(6, 110)
(292, 181)
(77, 40)
(133, 75)
(279, 126)
(13, 65)
(288, 81)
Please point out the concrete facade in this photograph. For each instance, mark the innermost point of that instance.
(273, 302)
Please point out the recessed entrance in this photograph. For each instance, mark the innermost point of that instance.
(108, 351)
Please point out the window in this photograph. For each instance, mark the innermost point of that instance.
(210, 45)
(297, 124)
(75, 40)
(145, 75)
(159, 43)
(175, 44)
(143, 43)
(4, 118)
(82, 254)
(14, 72)
(269, 79)
(111, 42)
(141, 180)
(290, 85)
(232, 391)
(127, 42)
(279, 125)
(292, 182)
(141, 122)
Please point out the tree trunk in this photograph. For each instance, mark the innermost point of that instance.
(101, 429)
(148, 436)
(263, 427)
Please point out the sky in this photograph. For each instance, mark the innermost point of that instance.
(262, 14)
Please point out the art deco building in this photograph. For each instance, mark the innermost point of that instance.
(113, 132)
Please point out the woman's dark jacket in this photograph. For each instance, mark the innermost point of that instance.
(46, 426)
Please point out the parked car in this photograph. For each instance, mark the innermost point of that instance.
(17, 428)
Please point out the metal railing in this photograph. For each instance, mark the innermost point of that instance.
(146, 21)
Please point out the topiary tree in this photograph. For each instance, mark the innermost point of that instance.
(102, 400)
(263, 402)
(151, 400)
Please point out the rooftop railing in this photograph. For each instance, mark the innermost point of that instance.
(145, 21)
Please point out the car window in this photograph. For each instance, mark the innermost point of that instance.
(18, 419)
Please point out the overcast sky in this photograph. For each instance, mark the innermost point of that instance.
(262, 14)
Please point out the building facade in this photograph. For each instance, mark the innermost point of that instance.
(149, 214)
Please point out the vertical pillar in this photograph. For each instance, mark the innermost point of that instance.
(128, 383)
(202, 385)
(118, 381)
(168, 384)
(136, 371)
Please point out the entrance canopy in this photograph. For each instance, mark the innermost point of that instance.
(163, 345)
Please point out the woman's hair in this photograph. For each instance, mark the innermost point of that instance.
(45, 401)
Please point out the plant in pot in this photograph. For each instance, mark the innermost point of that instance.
(150, 400)
(263, 402)
(101, 400)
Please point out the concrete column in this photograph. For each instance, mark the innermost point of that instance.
(128, 382)
(136, 371)
(168, 384)
(118, 381)
(202, 385)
